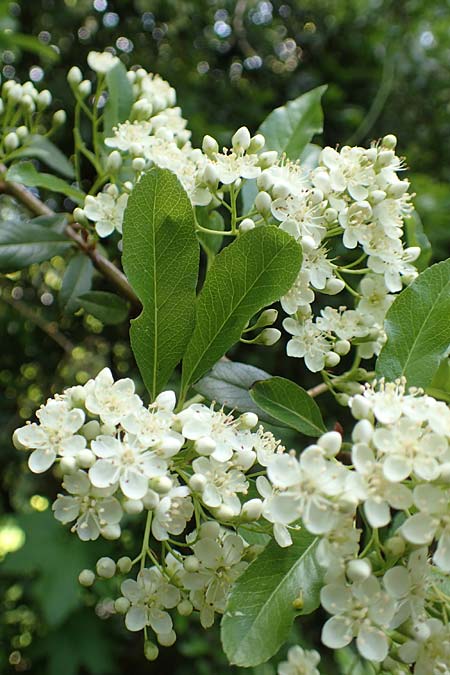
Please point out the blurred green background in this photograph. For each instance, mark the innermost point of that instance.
(387, 64)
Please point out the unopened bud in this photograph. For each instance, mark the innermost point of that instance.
(111, 532)
(106, 568)
(68, 465)
(74, 76)
(359, 570)
(246, 225)
(267, 159)
(331, 442)
(185, 608)
(264, 181)
(389, 141)
(398, 189)
(257, 143)
(252, 510)
(360, 407)
(124, 564)
(79, 216)
(122, 605)
(191, 564)
(11, 141)
(268, 337)
(210, 145)
(59, 118)
(138, 164)
(204, 445)
(85, 88)
(114, 161)
(133, 506)
(342, 347)
(151, 651)
(395, 546)
(86, 578)
(224, 513)
(197, 482)
(377, 196)
(263, 202)
(210, 175)
(90, 430)
(28, 103)
(44, 98)
(362, 431)
(161, 484)
(85, 458)
(248, 420)
(22, 132)
(241, 140)
(332, 359)
(334, 286)
(166, 639)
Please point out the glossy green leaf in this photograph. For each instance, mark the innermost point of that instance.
(440, 385)
(228, 383)
(251, 273)
(25, 243)
(120, 97)
(39, 147)
(108, 308)
(260, 610)
(418, 328)
(291, 127)
(161, 258)
(76, 281)
(290, 404)
(26, 173)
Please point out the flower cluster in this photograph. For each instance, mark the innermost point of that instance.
(386, 591)
(117, 457)
(356, 198)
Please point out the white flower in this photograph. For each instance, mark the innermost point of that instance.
(309, 342)
(150, 595)
(155, 90)
(220, 564)
(112, 401)
(230, 165)
(349, 170)
(173, 512)
(106, 212)
(432, 654)
(221, 483)
(337, 547)
(301, 215)
(360, 610)
(125, 462)
(375, 300)
(54, 435)
(131, 136)
(152, 427)
(300, 295)
(92, 508)
(408, 585)
(102, 62)
(300, 662)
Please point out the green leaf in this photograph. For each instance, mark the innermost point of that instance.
(415, 236)
(76, 281)
(161, 258)
(290, 128)
(251, 273)
(29, 43)
(289, 404)
(212, 220)
(260, 609)
(440, 385)
(24, 243)
(120, 97)
(39, 147)
(418, 328)
(108, 308)
(27, 174)
(228, 383)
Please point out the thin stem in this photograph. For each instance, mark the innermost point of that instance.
(219, 233)
(144, 549)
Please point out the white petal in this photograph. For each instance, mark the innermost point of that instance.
(103, 473)
(378, 513)
(41, 460)
(372, 643)
(133, 485)
(337, 632)
(136, 618)
(419, 529)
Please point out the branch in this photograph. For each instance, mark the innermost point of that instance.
(317, 390)
(102, 264)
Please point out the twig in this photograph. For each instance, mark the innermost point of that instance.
(50, 328)
(102, 264)
(317, 390)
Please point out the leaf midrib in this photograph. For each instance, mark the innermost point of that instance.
(289, 410)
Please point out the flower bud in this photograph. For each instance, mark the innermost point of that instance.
(74, 76)
(334, 286)
(389, 141)
(280, 191)
(138, 164)
(395, 546)
(332, 359)
(412, 253)
(316, 196)
(268, 158)
(122, 605)
(308, 243)
(86, 578)
(11, 141)
(85, 458)
(398, 189)
(151, 651)
(264, 181)
(22, 132)
(211, 529)
(252, 510)
(191, 564)
(321, 179)
(377, 196)
(263, 202)
(331, 442)
(28, 103)
(268, 337)
(114, 161)
(210, 175)
(359, 570)
(197, 482)
(15, 92)
(90, 430)
(166, 639)
(124, 564)
(342, 347)
(111, 532)
(150, 500)
(342, 399)
(210, 145)
(85, 88)
(106, 568)
(141, 110)
(241, 140)
(44, 98)
(185, 608)
(246, 225)
(248, 420)
(257, 143)
(68, 464)
(59, 118)
(161, 484)
(204, 445)
(133, 506)
(385, 157)
(266, 318)
(331, 215)
(421, 632)
(224, 513)
(360, 407)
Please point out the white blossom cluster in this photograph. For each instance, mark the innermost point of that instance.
(22, 107)
(186, 471)
(390, 590)
(356, 199)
